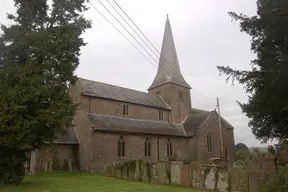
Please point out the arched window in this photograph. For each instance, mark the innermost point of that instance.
(121, 147)
(209, 142)
(169, 148)
(161, 115)
(147, 148)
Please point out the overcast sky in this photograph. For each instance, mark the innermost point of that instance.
(204, 36)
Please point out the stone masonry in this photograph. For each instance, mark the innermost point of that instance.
(107, 114)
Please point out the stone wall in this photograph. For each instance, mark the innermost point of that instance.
(177, 97)
(115, 108)
(134, 149)
(228, 141)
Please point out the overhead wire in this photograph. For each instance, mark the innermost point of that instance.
(160, 62)
(199, 94)
(158, 57)
(121, 33)
(205, 98)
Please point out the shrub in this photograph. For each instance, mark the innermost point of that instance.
(12, 170)
(276, 182)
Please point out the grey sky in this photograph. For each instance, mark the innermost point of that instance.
(204, 36)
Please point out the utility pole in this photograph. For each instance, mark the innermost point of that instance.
(220, 130)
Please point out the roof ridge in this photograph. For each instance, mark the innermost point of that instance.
(164, 101)
(182, 123)
(206, 120)
(225, 121)
(200, 110)
(113, 85)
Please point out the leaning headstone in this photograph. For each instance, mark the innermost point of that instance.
(154, 173)
(33, 160)
(197, 175)
(70, 165)
(223, 180)
(144, 168)
(162, 172)
(46, 167)
(137, 172)
(176, 172)
(50, 166)
(239, 179)
(185, 175)
(118, 172)
(210, 178)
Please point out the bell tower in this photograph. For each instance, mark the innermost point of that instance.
(169, 82)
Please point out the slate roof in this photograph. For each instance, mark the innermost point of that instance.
(131, 125)
(102, 90)
(169, 68)
(193, 122)
(197, 111)
(69, 137)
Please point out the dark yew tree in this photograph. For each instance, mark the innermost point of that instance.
(39, 53)
(241, 146)
(266, 83)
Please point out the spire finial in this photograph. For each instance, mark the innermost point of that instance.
(167, 16)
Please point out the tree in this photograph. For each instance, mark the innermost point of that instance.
(266, 83)
(241, 146)
(242, 151)
(39, 52)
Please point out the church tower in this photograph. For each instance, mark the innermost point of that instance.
(169, 82)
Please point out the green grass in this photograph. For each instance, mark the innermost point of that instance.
(85, 182)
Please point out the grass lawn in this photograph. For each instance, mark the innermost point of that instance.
(85, 182)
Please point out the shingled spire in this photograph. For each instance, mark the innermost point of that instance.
(168, 68)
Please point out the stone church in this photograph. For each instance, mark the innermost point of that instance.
(115, 124)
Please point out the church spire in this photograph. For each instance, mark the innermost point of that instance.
(168, 68)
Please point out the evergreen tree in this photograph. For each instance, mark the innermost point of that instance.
(266, 83)
(241, 146)
(39, 52)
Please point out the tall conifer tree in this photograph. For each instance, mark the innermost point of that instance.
(266, 83)
(39, 52)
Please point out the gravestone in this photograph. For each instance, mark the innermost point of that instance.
(223, 178)
(176, 172)
(162, 172)
(210, 178)
(70, 164)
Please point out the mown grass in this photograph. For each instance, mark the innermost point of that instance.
(85, 182)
